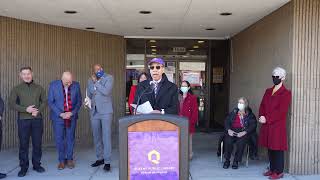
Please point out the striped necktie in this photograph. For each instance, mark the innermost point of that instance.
(155, 88)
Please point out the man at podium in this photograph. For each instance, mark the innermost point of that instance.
(159, 91)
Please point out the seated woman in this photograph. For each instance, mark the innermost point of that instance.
(240, 123)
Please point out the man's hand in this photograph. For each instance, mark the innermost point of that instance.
(230, 132)
(35, 113)
(262, 119)
(63, 115)
(241, 134)
(94, 78)
(68, 115)
(31, 109)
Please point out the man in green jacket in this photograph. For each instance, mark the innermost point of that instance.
(29, 99)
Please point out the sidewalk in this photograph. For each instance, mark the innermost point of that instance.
(205, 165)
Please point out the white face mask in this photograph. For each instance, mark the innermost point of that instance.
(241, 106)
(184, 89)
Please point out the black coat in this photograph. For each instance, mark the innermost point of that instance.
(249, 121)
(167, 95)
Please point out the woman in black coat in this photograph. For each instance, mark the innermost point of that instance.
(239, 125)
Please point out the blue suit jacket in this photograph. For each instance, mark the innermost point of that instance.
(56, 99)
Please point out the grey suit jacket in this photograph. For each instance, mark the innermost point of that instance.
(100, 94)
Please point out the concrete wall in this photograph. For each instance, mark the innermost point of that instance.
(256, 51)
(49, 50)
(289, 37)
(305, 120)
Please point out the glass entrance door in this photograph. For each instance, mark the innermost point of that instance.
(195, 73)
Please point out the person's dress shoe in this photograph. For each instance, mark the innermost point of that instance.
(61, 166)
(2, 176)
(268, 173)
(98, 163)
(226, 164)
(70, 164)
(235, 165)
(276, 176)
(39, 169)
(107, 167)
(22, 172)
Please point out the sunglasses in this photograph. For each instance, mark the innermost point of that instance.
(157, 67)
(276, 77)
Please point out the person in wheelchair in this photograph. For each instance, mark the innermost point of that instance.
(239, 125)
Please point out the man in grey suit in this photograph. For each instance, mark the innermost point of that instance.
(1, 113)
(100, 92)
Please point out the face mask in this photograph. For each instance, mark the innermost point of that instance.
(276, 80)
(241, 106)
(184, 89)
(100, 73)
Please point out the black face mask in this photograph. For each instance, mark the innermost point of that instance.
(276, 80)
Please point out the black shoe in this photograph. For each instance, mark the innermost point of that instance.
(39, 169)
(235, 165)
(2, 176)
(97, 163)
(107, 167)
(226, 164)
(22, 172)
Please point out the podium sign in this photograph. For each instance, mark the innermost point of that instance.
(150, 148)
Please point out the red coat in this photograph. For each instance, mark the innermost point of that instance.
(273, 134)
(131, 96)
(189, 109)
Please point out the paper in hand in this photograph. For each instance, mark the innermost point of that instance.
(144, 108)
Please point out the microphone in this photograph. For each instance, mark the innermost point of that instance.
(144, 92)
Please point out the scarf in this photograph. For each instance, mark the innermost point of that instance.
(67, 107)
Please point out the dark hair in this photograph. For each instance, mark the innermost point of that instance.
(26, 68)
(143, 73)
(188, 84)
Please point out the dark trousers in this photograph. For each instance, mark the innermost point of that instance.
(30, 128)
(276, 159)
(240, 145)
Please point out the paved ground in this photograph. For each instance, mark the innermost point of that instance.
(205, 165)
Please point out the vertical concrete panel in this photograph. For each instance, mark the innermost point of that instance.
(304, 144)
(50, 50)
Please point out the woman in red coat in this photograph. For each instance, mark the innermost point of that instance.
(188, 108)
(141, 77)
(273, 114)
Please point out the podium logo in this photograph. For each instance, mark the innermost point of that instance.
(154, 157)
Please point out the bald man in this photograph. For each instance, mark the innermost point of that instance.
(64, 99)
(100, 92)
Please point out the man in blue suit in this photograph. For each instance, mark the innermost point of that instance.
(64, 99)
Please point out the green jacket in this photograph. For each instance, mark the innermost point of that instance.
(26, 94)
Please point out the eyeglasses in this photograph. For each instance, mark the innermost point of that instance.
(276, 77)
(157, 67)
